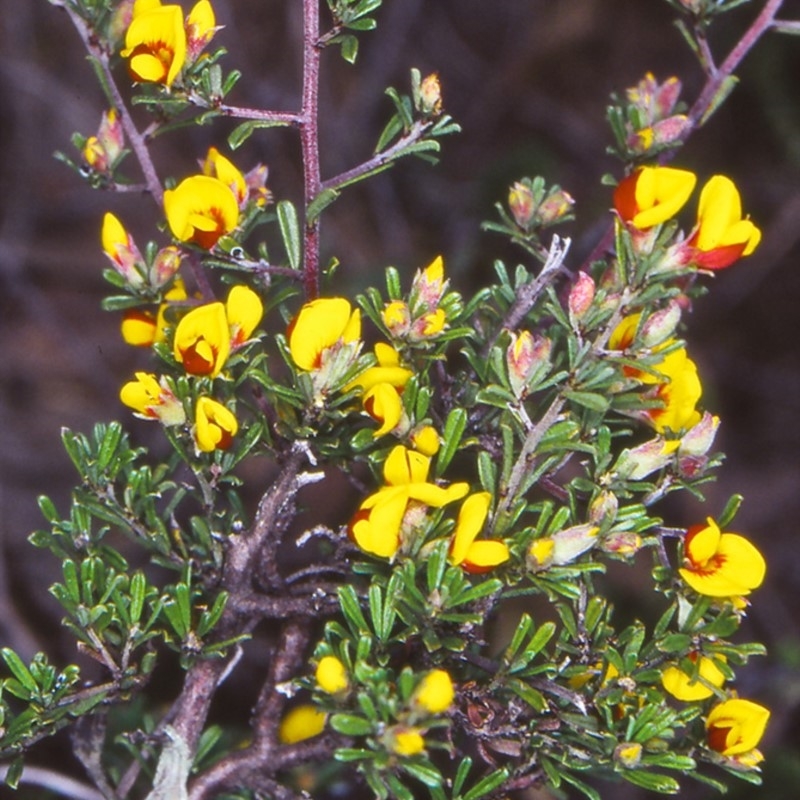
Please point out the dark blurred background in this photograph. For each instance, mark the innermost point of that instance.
(529, 83)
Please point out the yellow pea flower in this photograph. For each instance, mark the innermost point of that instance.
(652, 195)
(382, 402)
(202, 340)
(201, 25)
(243, 311)
(153, 399)
(301, 723)
(722, 235)
(718, 564)
(735, 727)
(155, 43)
(200, 209)
(215, 425)
(683, 686)
(425, 439)
(320, 326)
(217, 166)
(476, 556)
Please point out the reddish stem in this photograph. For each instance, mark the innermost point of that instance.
(309, 140)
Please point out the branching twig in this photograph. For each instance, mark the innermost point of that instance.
(137, 141)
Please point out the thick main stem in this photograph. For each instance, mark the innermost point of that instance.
(309, 140)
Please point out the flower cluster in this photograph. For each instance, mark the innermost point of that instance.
(651, 196)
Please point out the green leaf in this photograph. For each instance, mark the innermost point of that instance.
(425, 773)
(320, 203)
(240, 134)
(290, 232)
(663, 784)
(19, 670)
(730, 511)
(454, 428)
(727, 85)
(14, 772)
(582, 787)
(590, 400)
(487, 785)
(351, 725)
(534, 698)
(348, 600)
(349, 46)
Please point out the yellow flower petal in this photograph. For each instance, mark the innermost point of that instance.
(301, 723)
(202, 340)
(243, 310)
(736, 726)
(155, 42)
(320, 325)
(215, 425)
(200, 209)
(331, 675)
(471, 518)
(435, 692)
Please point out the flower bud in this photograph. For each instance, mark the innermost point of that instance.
(622, 543)
(405, 741)
(397, 318)
(435, 692)
(636, 463)
(165, 265)
(430, 95)
(520, 203)
(527, 355)
(331, 675)
(699, 439)
(603, 509)
(661, 325)
(628, 754)
(581, 295)
(425, 439)
(554, 207)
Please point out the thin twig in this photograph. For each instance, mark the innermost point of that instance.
(136, 139)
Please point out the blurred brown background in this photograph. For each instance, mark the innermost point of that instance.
(529, 82)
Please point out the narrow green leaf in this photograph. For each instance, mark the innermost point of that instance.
(730, 511)
(108, 445)
(240, 134)
(590, 400)
(18, 669)
(320, 203)
(488, 784)
(14, 772)
(349, 46)
(351, 725)
(138, 588)
(290, 232)
(454, 429)
(663, 784)
(348, 600)
(424, 773)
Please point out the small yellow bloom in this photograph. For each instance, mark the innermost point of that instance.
(139, 328)
(320, 326)
(563, 547)
(652, 195)
(155, 43)
(102, 150)
(200, 209)
(432, 323)
(377, 525)
(301, 723)
(425, 439)
(382, 402)
(629, 754)
(435, 692)
(243, 311)
(721, 564)
(153, 399)
(397, 318)
(122, 251)
(201, 25)
(406, 741)
(683, 686)
(215, 426)
(735, 727)
(217, 166)
(331, 675)
(202, 340)
(388, 370)
(722, 235)
(476, 556)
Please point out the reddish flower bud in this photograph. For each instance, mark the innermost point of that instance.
(581, 296)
